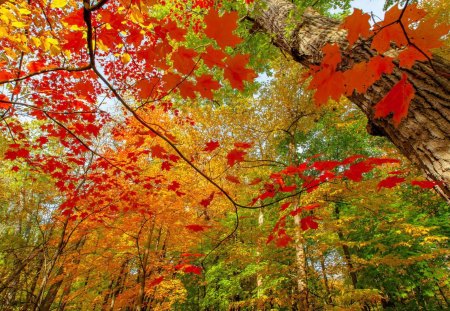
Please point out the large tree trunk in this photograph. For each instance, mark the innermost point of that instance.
(424, 136)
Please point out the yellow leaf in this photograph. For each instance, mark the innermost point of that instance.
(57, 4)
(125, 58)
(24, 11)
(18, 24)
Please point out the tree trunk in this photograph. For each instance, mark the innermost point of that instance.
(424, 135)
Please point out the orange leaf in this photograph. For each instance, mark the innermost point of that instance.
(220, 28)
(213, 57)
(396, 101)
(205, 85)
(236, 72)
(357, 25)
(183, 60)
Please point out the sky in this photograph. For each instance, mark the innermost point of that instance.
(375, 6)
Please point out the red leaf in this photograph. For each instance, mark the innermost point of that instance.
(205, 202)
(242, 145)
(158, 152)
(17, 153)
(390, 182)
(325, 165)
(156, 281)
(288, 188)
(296, 211)
(285, 206)
(424, 184)
(283, 240)
(409, 56)
(211, 146)
(236, 72)
(197, 228)
(308, 223)
(165, 166)
(357, 25)
(396, 101)
(255, 181)
(4, 102)
(326, 80)
(205, 85)
(174, 186)
(213, 57)
(233, 179)
(183, 60)
(220, 28)
(356, 171)
(192, 269)
(235, 156)
(310, 207)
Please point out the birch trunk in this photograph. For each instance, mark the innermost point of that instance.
(424, 136)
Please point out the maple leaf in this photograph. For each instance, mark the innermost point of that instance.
(288, 188)
(156, 281)
(284, 206)
(236, 72)
(4, 102)
(197, 228)
(17, 153)
(183, 60)
(158, 152)
(255, 181)
(165, 166)
(242, 145)
(428, 36)
(192, 269)
(174, 186)
(356, 171)
(396, 101)
(211, 146)
(213, 57)
(220, 28)
(357, 25)
(390, 182)
(283, 240)
(424, 184)
(325, 165)
(205, 202)
(309, 223)
(235, 156)
(408, 57)
(328, 82)
(205, 85)
(233, 179)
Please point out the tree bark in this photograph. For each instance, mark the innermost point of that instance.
(424, 135)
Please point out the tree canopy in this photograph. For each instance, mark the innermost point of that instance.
(174, 155)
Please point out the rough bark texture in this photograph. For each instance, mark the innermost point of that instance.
(424, 136)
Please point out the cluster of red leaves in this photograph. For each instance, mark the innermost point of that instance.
(402, 29)
(311, 175)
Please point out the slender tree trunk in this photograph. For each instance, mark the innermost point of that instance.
(302, 286)
(325, 279)
(346, 251)
(424, 136)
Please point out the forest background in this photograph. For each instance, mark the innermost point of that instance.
(166, 155)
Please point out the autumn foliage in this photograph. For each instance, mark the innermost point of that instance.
(115, 138)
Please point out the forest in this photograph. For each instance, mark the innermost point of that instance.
(224, 155)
